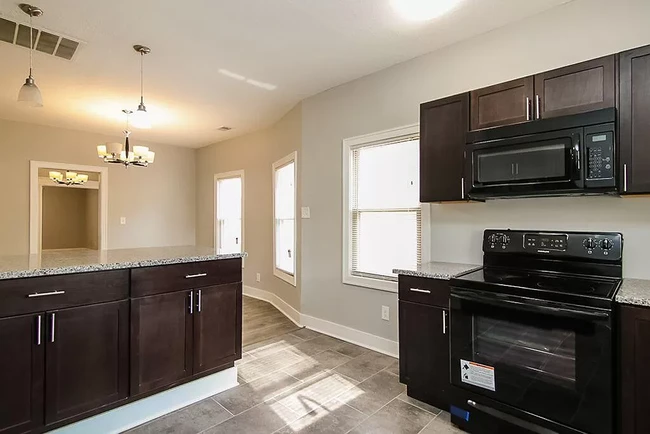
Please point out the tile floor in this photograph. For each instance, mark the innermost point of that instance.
(306, 382)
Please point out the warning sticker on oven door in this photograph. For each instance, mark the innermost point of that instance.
(477, 375)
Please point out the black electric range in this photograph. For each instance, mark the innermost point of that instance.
(531, 334)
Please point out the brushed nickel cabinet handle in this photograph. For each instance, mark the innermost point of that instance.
(198, 302)
(191, 302)
(624, 178)
(444, 322)
(52, 327)
(39, 329)
(192, 276)
(462, 188)
(538, 105)
(45, 294)
(424, 291)
(527, 108)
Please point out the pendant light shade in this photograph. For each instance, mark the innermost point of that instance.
(30, 94)
(140, 117)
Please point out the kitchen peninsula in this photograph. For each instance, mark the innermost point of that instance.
(90, 331)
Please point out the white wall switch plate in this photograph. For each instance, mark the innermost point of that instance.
(385, 313)
(258, 277)
(122, 220)
(305, 212)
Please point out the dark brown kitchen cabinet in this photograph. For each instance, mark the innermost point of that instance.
(443, 126)
(217, 326)
(502, 104)
(22, 358)
(634, 335)
(424, 352)
(87, 359)
(634, 115)
(161, 340)
(578, 88)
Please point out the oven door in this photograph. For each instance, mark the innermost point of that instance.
(550, 360)
(531, 165)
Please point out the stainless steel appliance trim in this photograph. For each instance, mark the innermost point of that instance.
(424, 291)
(198, 302)
(444, 322)
(52, 327)
(527, 108)
(625, 177)
(45, 294)
(538, 105)
(39, 329)
(510, 419)
(191, 302)
(193, 276)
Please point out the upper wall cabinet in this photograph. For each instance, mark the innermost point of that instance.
(502, 104)
(443, 125)
(579, 88)
(634, 126)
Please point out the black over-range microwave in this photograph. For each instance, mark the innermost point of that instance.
(569, 155)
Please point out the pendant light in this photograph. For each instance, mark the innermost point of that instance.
(141, 117)
(126, 155)
(29, 94)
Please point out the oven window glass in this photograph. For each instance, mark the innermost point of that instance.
(542, 354)
(546, 161)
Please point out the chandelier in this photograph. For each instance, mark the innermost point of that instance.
(128, 156)
(70, 178)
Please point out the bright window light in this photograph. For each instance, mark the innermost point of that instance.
(423, 10)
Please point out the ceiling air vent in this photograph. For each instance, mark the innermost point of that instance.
(45, 42)
(224, 128)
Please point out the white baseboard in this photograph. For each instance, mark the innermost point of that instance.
(354, 336)
(142, 411)
(276, 301)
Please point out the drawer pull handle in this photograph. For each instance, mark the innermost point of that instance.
(198, 302)
(45, 294)
(52, 327)
(39, 331)
(192, 276)
(424, 291)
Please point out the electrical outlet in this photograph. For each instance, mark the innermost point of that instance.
(258, 277)
(305, 212)
(122, 220)
(385, 313)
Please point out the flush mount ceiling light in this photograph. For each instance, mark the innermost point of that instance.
(70, 178)
(141, 117)
(29, 94)
(116, 153)
(423, 10)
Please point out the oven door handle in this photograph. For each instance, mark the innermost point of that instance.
(531, 306)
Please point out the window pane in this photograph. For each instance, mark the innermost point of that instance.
(388, 176)
(386, 240)
(230, 236)
(284, 254)
(229, 215)
(284, 208)
(285, 192)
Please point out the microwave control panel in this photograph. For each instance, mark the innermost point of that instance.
(600, 155)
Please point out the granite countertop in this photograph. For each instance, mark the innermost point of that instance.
(438, 270)
(634, 291)
(82, 260)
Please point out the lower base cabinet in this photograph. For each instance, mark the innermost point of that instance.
(424, 352)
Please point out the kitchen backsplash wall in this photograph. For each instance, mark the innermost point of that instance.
(457, 229)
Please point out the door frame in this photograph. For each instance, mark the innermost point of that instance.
(229, 175)
(36, 201)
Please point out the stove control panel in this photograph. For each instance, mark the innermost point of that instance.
(601, 246)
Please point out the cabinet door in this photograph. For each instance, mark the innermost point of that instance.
(634, 113)
(217, 326)
(635, 376)
(424, 352)
(161, 340)
(579, 88)
(502, 104)
(86, 363)
(21, 373)
(443, 126)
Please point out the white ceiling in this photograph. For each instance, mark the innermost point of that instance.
(301, 46)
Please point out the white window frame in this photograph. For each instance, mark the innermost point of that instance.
(289, 278)
(348, 146)
(218, 177)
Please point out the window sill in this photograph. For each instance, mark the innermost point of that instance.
(366, 282)
(290, 279)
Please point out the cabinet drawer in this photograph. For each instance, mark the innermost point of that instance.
(179, 277)
(434, 292)
(38, 294)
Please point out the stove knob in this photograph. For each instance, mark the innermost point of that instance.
(606, 244)
(590, 244)
(492, 238)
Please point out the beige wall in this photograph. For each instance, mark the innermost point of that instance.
(92, 219)
(571, 33)
(254, 153)
(158, 202)
(64, 218)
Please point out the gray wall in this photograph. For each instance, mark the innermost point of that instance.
(571, 33)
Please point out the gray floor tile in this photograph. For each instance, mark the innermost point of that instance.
(245, 396)
(316, 364)
(262, 419)
(398, 417)
(373, 393)
(332, 418)
(442, 425)
(350, 350)
(423, 405)
(189, 420)
(270, 346)
(394, 368)
(245, 358)
(265, 365)
(316, 345)
(365, 365)
(306, 334)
